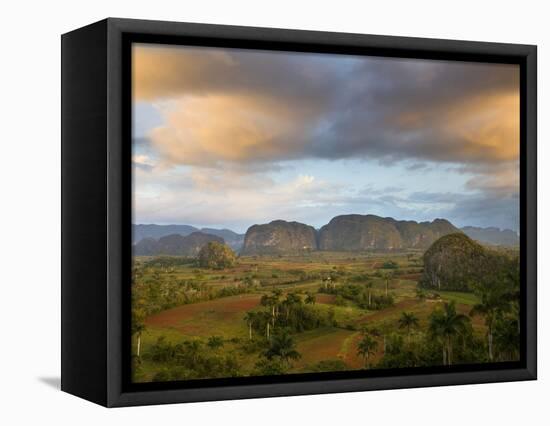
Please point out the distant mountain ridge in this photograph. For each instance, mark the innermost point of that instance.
(175, 244)
(492, 235)
(142, 231)
(353, 232)
(157, 231)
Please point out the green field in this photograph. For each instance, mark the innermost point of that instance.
(192, 315)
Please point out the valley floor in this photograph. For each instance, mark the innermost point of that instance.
(205, 311)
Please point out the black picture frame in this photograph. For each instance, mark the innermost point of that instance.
(96, 210)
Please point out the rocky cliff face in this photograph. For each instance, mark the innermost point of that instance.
(367, 232)
(358, 232)
(344, 233)
(175, 244)
(454, 261)
(279, 236)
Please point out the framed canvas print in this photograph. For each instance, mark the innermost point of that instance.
(253, 212)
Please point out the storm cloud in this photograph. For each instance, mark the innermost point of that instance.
(244, 112)
(292, 106)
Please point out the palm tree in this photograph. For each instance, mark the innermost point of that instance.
(138, 328)
(265, 318)
(491, 304)
(272, 302)
(408, 320)
(292, 299)
(193, 349)
(375, 332)
(445, 324)
(138, 325)
(367, 347)
(283, 346)
(276, 296)
(369, 290)
(250, 318)
(507, 338)
(266, 300)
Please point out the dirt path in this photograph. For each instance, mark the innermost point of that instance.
(327, 346)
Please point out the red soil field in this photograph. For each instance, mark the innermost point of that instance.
(325, 298)
(412, 277)
(227, 308)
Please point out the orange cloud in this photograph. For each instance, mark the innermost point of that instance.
(167, 72)
(203, 130)
(474, 127)
(488, 125)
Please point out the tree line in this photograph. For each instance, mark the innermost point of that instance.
(293, 312)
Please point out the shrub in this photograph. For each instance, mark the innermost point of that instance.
(390, 264)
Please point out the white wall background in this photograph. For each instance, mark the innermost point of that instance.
(30, 211)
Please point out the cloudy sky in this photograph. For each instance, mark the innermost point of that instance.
(232, 137)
